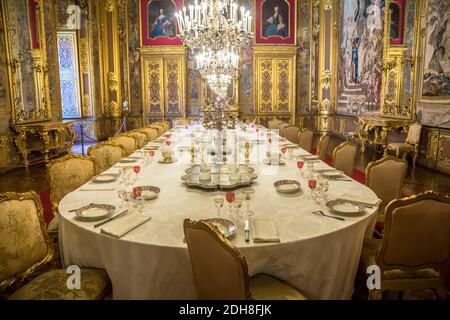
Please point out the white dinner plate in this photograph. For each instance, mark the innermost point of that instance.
(332, 174)
(127, 160)
(105, 178)
(94, 212)
(287, 186)
(344, 207)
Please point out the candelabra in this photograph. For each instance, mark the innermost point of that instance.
(219, 115)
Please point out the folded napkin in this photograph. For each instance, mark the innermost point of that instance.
(264, 230)
(360, 199)
(99, 186)
(120, 227)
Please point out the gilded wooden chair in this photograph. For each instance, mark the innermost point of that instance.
(305, 139)
(67, 174)
(385, 177)
(281, 127)
(274, 123)
(212, 255)
(158, 127)
(105, 155)
(322, 147)
(344, 157)
(126, 141)
(141, 138)
(411, 145)
(151, 133)
(291, 133)
(25, 247)
(415, 250)
(164, 124)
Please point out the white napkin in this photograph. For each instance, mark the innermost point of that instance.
(264, 230)
(120, 227)
(360, 198)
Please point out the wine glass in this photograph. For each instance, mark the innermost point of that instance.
(218, 202)
(151, 154)
(237, 205)
(126, 175)
(300, 164)
(136, 170)
(137, 191)
(312, 184)
(310, 167)
(230, 196)
(249, 192)
(123, 196)
(283, 150)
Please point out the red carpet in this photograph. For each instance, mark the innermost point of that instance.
(46, 205)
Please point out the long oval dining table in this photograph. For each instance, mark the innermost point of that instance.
(316, 254)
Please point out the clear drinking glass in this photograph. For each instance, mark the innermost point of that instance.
(218, 202)
(123, 195)
(248, 195)
(323, 187)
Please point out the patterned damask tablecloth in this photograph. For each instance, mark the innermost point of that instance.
(318, 255)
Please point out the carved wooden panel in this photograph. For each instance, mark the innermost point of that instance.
(153, 86)
(275, 81)
(174, 86)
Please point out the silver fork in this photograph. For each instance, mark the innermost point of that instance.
(325, 215)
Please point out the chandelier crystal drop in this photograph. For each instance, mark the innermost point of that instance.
(215, 24)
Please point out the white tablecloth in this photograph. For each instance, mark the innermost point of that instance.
(318, 255)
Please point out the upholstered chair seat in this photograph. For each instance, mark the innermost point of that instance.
(291, 133)
(25, 247)
(212, 254)
(402, 147)
(141, 138)
(265, 287)
(344, 157)
(52, 285)
(127, 142)
(305, 139)
(411, 145)
(105, 155)
(415, 250)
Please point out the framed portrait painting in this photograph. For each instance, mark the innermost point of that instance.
(158, 22)
(275, 22)
(397, 27)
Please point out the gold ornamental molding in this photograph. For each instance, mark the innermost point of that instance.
(328, 4)
(84, 55)
(326, 79)
(110, 5)
(113, 81)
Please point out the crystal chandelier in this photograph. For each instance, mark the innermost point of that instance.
(215, 24)
(218, 68)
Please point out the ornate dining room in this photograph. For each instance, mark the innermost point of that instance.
(225, 150)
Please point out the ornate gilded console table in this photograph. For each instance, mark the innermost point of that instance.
(43, 137)
(374, 130)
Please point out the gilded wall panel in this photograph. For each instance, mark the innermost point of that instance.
(265, 85)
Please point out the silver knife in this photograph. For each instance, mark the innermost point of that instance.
(110, 219)
(247, 230)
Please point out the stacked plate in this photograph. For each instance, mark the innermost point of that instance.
(94, 212)
(344, 207)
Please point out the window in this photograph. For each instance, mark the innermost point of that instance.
(68, 73)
